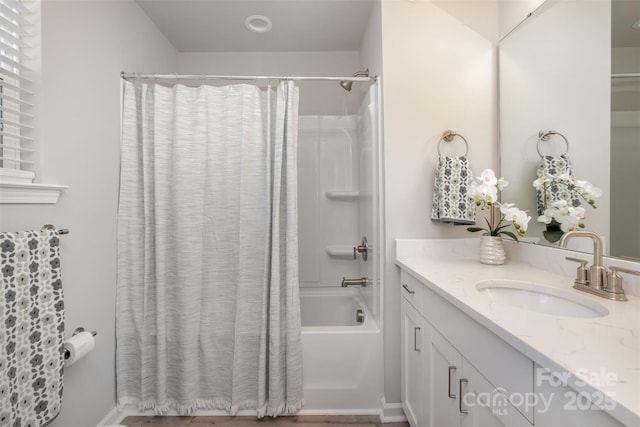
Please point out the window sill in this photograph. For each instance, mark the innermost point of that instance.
(16, 193)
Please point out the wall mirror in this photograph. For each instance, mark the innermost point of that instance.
(573, 67)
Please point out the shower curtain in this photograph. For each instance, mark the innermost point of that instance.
(208, 311)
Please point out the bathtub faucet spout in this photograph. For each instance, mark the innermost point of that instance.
(354, 282)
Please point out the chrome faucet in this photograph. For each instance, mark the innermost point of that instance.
(359, 282)
(596, 279)
(597, 275)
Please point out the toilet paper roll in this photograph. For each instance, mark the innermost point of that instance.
(76, 347)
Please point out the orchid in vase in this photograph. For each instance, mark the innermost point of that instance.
(560, 200)
(484, 191)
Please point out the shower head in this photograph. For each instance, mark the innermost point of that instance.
(347, 84)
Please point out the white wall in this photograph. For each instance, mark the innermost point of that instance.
(555, 74)
(438, 74)
(513, 12)
(85, 47)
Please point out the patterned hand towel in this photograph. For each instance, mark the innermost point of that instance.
(552, 167)
(31, 328)
(450, 201)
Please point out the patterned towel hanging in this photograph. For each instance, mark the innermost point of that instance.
(31, 328)
(551, 167)
(451, 203)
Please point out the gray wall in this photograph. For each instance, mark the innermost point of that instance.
(85, 47)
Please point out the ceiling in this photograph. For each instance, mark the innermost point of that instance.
(623, 14)
(298, 25)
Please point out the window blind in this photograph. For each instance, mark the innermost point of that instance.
(19, 31)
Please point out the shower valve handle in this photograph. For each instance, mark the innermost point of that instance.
(363, 249)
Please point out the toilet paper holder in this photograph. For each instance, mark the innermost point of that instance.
(76, 332)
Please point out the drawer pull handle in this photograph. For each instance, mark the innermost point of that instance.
(452, 396)
(406, 288)
(415, 338)
(462, 411)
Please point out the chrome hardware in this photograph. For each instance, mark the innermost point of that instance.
(406, 288)
(363, 249)
(52, 227)
(545, 135)
(597, 276)
(448, 136)
(352, 282)
(614, 282)
(582, 274)
(415, 338)
(359, 316)
(462, 411)
(598, 281)
(452, 396)
(81, 329)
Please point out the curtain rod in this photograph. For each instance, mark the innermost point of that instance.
(624, 75)
(141, 76)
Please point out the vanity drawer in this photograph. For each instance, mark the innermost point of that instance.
(411, 289)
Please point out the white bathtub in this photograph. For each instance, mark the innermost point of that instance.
(342, 358)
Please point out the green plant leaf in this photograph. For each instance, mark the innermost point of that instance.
(474, 229)
(510, 234)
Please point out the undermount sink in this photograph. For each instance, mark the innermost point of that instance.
(541, 298)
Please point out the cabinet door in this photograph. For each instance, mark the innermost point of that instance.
(412, 367)
(442, 382)
(561, 405)
(485, 405)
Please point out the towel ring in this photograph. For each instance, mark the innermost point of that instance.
(448, 136)
(545, 135)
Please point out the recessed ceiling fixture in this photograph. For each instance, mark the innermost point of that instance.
(636, 25)
(258, 23)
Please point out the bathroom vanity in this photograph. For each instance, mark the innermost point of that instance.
(478, 349)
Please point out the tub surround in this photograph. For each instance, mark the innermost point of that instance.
(597, 347)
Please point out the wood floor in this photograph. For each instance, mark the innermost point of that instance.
(293, 421)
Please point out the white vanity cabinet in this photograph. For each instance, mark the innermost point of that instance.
(412, 340)
(440, 386)
(455, 372)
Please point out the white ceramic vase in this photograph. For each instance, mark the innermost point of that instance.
(492, 250)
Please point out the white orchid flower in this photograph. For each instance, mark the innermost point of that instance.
(591, 191)
(560, 204)
(521, 222)
(488, 177)
(546, 219)
(509, 211)
(540, 182)
(568, 223)
(502, 183)
(488, 192)
(580, 183)
(577, 212)
(565, 176)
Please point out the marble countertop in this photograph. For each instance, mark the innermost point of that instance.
(600, 355)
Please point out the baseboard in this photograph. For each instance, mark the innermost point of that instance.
(113, 417)
(392, 413)
(389, 413)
